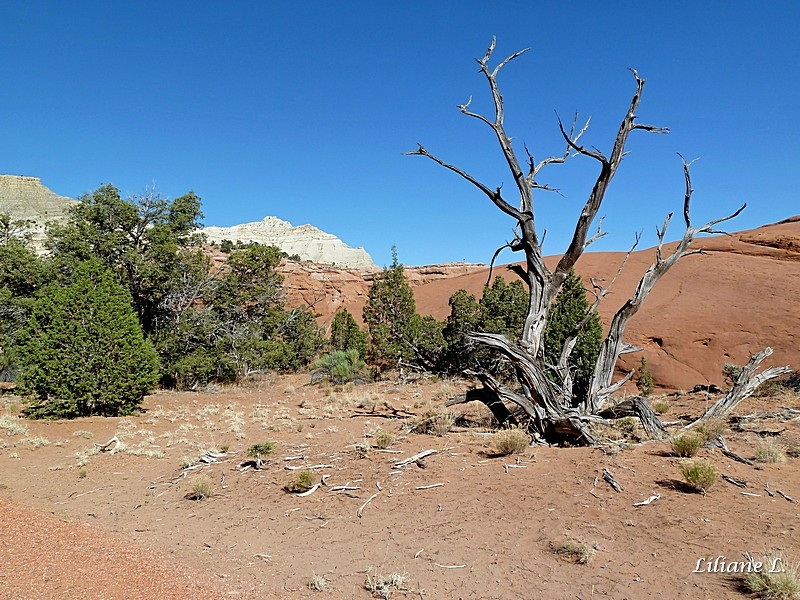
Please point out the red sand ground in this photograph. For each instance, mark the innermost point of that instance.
(127, 530)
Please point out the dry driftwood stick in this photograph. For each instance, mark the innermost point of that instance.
(363, 506)
(609, 478)
(792, 500)
(412, 459)
(720, 442)
(313, 489)
(650, 500)
(750, 494)
(427, 487)
(450, 566)
(105, 447)
(737, 482)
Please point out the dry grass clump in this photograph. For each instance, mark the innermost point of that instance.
(301, 482)
(383, 439)
(574, 550)
(777, 580)
(770, 452)
(700, 474)
(511, 441)
(81, 433)
(711, 429)
(686, 445)
(202, 488)
(13, 425)
(317, 583)
(660, 407)
(383, 586)
(435, 421)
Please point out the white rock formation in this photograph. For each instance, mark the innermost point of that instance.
(306, 241)
(25, 198)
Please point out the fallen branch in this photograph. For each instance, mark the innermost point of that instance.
(363, 506)
(720, 442)
(609, 478)
(105, 447)
(427, 487)
(450, 566)
(734, 481)
(650, 500)
(309, 491)
(413, 459)
(792, 500)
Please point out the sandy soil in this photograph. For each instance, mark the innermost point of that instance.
(77, 524)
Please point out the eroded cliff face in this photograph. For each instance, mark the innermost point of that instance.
(25, 198)
(306, 241)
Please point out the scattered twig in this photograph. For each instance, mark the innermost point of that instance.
(790, 499)
(507, 467)
(413, 459)
(310, 491)
(450, 566)
(609, 478)
(750, 494)
(106, 447)
(416, 555)
(427, 487)
(650, 500)
(311, 468)
(342, 488)
(769, 491)
(737, 482)
(363, 506)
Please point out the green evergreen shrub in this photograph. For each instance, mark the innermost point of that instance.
(346, 334)
(83, 352)
(339, 366)
(645, 382)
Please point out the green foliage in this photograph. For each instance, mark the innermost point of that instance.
(339, 366)
(700, 474)
(565, 315)
(731, 372)
(239, 325)
(262, 449)
(501, 309)
(346, 334)
(22, 275)
(396, 332)
(83, 352)
(645, 380)
(686, 444)
(301, 482)
(141, 239)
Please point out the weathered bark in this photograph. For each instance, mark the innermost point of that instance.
(745, 385)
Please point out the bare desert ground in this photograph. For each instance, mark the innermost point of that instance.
(462, 522)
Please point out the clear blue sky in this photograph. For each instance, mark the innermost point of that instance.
(303, 110)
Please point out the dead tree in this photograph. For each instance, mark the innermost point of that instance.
(544, 392)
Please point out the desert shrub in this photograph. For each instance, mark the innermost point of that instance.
(339, 366)
(711, 429)
(434, 421)
(782, 584)
(202, 488)
(301, 482)
(686, 444)
(317, 583)
(731, 372)
(769, 452)
(262, 449)
(83, 351)
(384, 586)
(574, 550)
(383, 439)
(644, 383)
(700, 474)
(511, 441)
